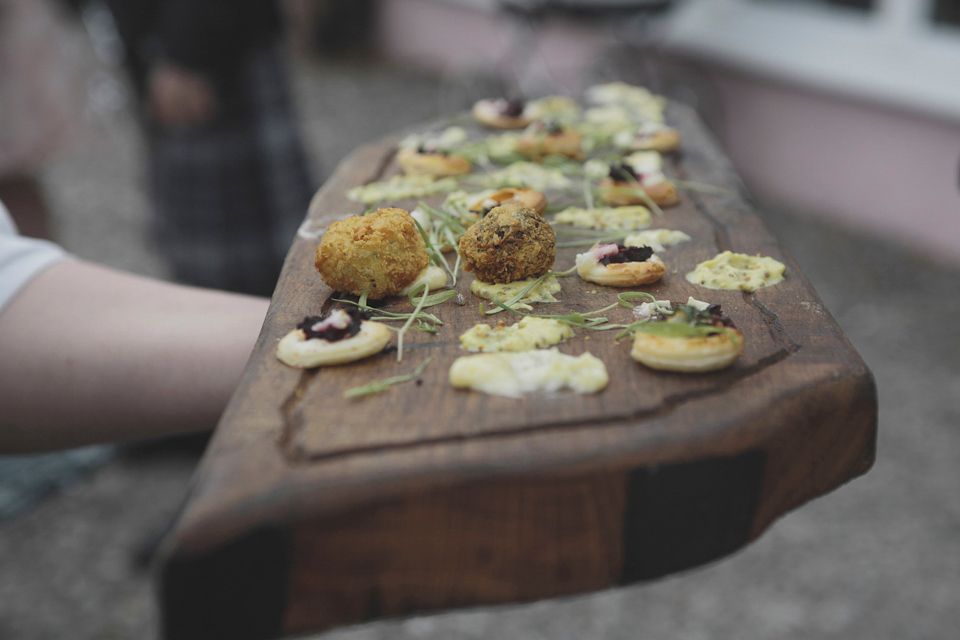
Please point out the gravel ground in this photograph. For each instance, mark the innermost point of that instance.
(877, 559)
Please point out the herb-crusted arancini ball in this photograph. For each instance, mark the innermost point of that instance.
(380, 252)
(510, 243)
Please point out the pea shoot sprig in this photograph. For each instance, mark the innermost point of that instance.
(416, 311)
(593, 321)
(431, 239)
(382, 385)
(685, 322)
(518, 297)
(424, 321)
(585, 320)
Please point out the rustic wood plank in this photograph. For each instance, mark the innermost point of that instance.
(424, 498)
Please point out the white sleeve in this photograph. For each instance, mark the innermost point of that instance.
(21, 258)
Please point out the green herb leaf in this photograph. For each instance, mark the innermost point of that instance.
(678, 329)
(416, 312)
(382, 385)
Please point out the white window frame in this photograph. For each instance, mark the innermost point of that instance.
(894, 55)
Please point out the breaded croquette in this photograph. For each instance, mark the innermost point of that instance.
(510, 243)
(380, 252)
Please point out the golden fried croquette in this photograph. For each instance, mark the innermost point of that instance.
(510, 243)
(380, 252)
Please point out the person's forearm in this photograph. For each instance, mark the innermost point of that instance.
(88, 354)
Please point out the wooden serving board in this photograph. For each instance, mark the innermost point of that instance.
(311, 511)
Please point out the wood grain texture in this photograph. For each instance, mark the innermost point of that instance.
(424, 498)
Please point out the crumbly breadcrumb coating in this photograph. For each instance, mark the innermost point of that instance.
(510, 243)
(381, 252)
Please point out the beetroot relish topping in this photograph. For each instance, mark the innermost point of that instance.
(622, 172)
(430, 149)
(512, 108)
(320, 327)
(627, 254)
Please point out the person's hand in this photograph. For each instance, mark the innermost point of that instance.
(179, 98)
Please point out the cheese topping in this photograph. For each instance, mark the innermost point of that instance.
(556, 108)
(645, 161)
(610, 114)
(699, 305)
(641, 103)
(513, 374)
(501, 147)
(649, 310)
(422, 217)
(529, 333)
(623, 218)
(735, 271)
(446, 140)
(432, 275)
(596, 169)
(527, 174)
(656, 239)
(400, 187)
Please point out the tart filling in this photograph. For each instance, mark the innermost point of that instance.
(692, 338)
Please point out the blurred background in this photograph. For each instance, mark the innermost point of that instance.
(843, 118)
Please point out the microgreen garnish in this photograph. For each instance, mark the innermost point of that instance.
(416, 312)
(436, 256)
(424, 321)
(381, 385)
(686, 321)
(623, 296)
(520, 294)
(586, 320)
(447, 220)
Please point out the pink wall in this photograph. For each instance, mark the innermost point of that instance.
(892, 173)
(451, 38)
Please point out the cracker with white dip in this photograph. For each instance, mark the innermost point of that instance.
(345, 335)
(513, 374)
